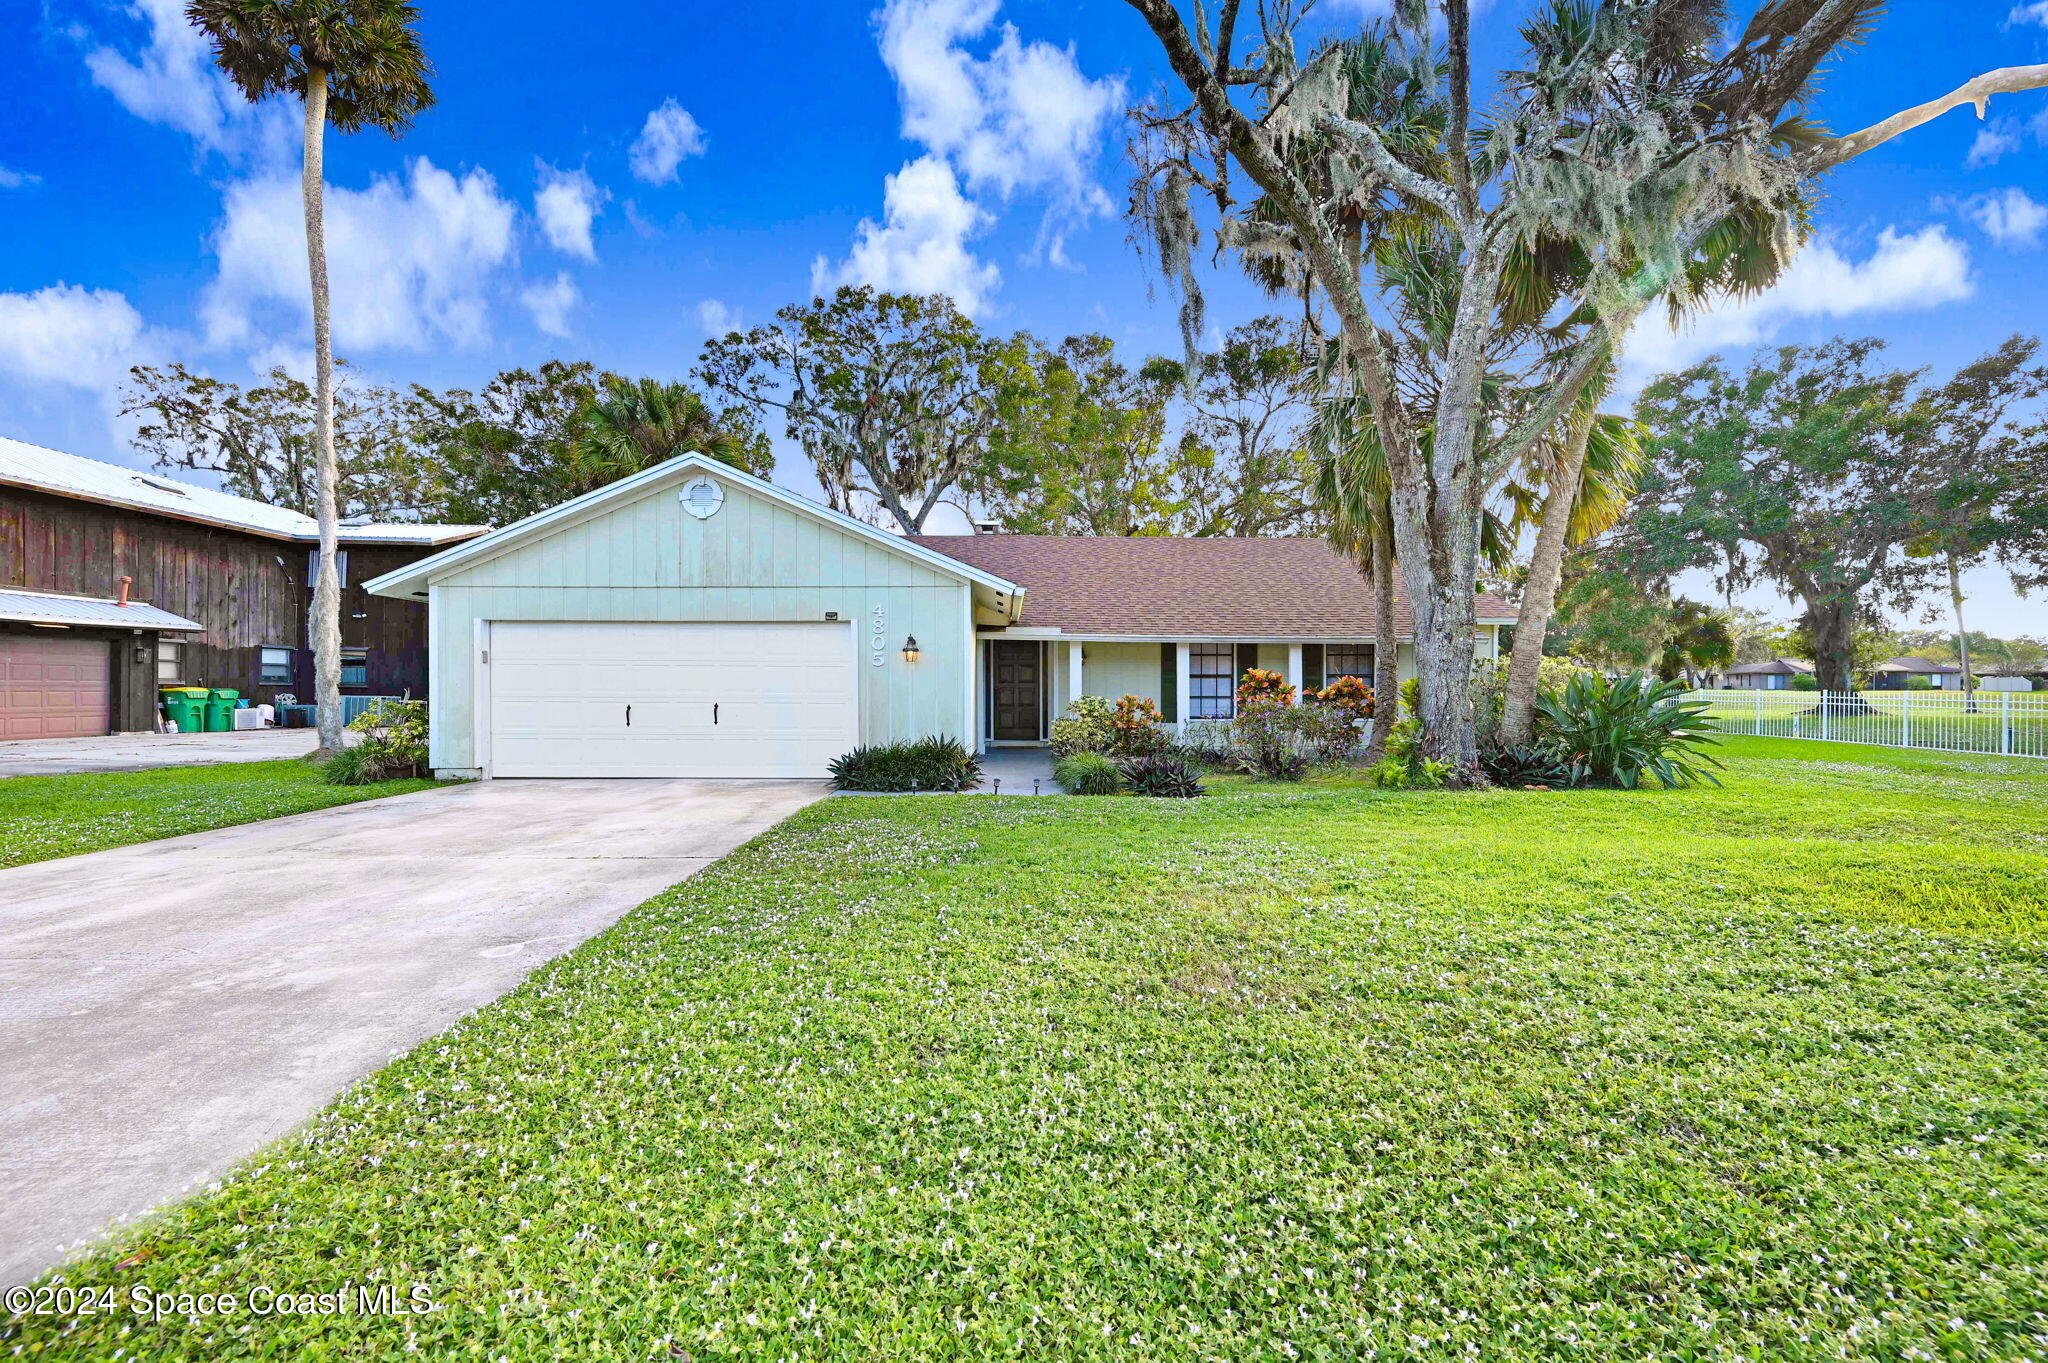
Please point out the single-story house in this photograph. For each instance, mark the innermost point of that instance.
(1772, 674)
(114, 582)
(693, 620)
(1891, 674)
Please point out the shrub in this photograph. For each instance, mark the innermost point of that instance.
(1805, 682)
(1616, 733)
(1260, 684)
(933, 763)
(1349, 695)
(1262, 737)
(1162, 776)
(1527, 764)
(1490, 691)
(1405, 767)
(1919, 683)
(1134, 727)
(1204, 743)
(1086, 726)
(1087, 773)
(1328, 732)
(394, 745)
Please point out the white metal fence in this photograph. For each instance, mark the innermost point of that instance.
(2009, 722)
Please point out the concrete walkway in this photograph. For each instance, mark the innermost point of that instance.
(138, 752)
(170, 1007)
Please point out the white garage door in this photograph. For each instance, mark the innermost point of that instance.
(601, 699)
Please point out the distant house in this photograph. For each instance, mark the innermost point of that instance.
(1892, 673)
(114, 582)
(1772, 674)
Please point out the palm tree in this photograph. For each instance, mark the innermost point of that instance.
(635, 424)
(356, 64)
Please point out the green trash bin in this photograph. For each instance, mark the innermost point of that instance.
(186, 707)
(220, 712)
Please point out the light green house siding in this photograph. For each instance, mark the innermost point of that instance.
(647, 559)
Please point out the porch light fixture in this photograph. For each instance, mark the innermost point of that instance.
(911, 652)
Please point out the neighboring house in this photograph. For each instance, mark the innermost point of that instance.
(216, 587)
(692, 620)
(1891, 674)
(1772, 674)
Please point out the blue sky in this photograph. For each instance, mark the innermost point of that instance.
(615, 186)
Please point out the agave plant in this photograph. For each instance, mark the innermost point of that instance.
(1616, 733)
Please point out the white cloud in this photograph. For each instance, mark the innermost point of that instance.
(921, 245)
(716, 318)
(172, 80)
(67, 334)
(566, 204)
(1906, 272)
(2034, 13)
(2005, 135)
(17, 179)
(1023, 117)
(410, 262)
(2011, 217)
(550, 302)
(666, 139)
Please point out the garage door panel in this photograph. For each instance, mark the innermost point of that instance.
(784, 698)
(53, 688)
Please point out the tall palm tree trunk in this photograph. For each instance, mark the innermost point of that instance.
(326, 614)
(1539, 591)
(1386, 643)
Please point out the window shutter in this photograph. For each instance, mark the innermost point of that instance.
(1247, 659)
(1312, 667)
(1169, 683)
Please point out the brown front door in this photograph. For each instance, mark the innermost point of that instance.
(52, 687)
(1014, 667)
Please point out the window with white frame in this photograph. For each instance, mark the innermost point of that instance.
(1212, 681)
(275, 667)
(170, 661)
(313, 568)
(1347, 660)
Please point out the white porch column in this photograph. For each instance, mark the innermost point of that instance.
(1183, 693)
(1073, 671)
(1294, 667)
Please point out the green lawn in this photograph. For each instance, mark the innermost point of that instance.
(59, 816)
(1318, 1073)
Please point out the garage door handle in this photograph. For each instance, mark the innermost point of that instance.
(714, 712)
(629, 716)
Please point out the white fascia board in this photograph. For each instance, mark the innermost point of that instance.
(414, 576)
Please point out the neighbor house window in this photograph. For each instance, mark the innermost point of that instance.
(1347, 660)
(313, 567)
(276, 667)
(1212, 680)
(355, 667)
(170, 661)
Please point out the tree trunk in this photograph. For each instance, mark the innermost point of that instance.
(326, 613)
(1386, 645)
(1955, 598)
(1539, 592)
(1830, 624)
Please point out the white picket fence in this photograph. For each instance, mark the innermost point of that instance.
(2006, 722)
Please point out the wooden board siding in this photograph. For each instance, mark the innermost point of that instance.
(249, 591)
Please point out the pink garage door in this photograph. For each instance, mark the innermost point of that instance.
(52, 688)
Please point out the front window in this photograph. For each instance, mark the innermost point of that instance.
(355, 667)
(313, 568)
(1347, 660)
(1212, 680)
(276, 667)
(170, 661)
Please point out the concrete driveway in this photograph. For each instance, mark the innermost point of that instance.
(172, 1006)
(138, 752)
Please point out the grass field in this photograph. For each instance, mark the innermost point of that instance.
(1754, 1072)
(59, 816)
(1991, 723)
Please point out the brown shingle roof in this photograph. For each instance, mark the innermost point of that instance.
(1211, 587)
